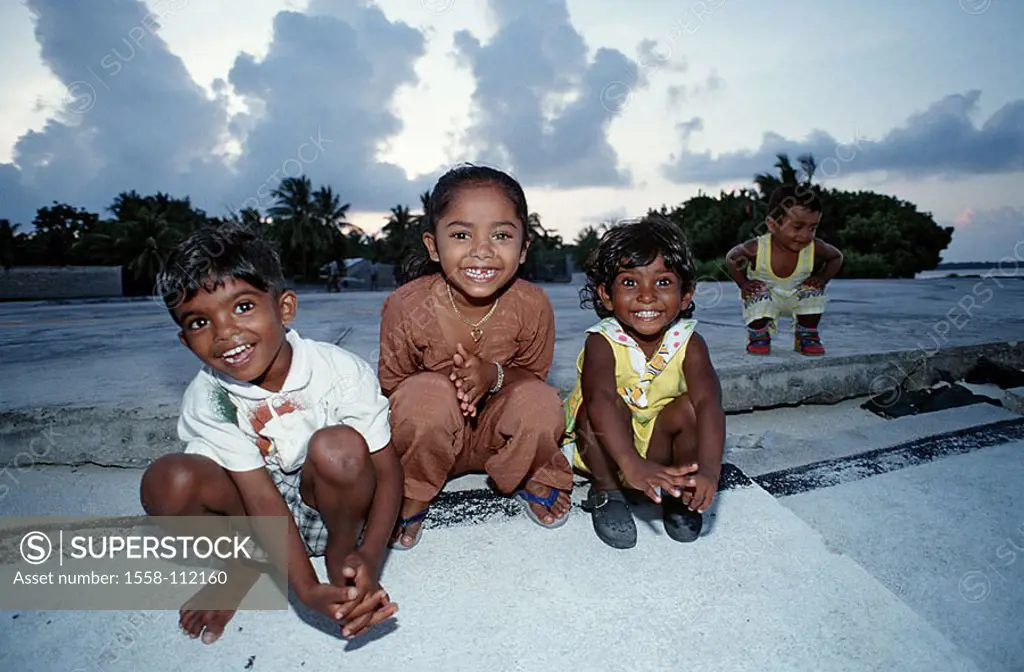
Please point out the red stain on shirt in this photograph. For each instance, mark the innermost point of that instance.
(262, 414)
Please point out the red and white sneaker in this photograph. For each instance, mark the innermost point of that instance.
(759, 341)
(808, 342)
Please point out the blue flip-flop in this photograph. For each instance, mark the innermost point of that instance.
(403, 524)
(546, 502)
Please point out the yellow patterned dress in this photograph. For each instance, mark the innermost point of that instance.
(786, 297)
(646, 386)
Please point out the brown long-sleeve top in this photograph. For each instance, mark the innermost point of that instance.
(419, 331)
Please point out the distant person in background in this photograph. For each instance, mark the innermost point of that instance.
(646, 412)
(333, 276)
(373, 276)
(783, 273)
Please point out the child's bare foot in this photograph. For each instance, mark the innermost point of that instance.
(407, 530)
(555, 511)
(197, 620)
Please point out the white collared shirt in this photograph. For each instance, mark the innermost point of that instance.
(242, 427)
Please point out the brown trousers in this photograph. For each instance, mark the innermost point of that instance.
(514, 438)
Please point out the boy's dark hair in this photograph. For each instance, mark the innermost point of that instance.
(214, 254)
(637, 243)
(441, 197)
(792, 195)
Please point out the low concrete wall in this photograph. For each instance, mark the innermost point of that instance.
(134, 438)
(60, 282)
(830, 380)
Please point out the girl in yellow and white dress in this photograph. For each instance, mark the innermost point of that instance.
(646, 410)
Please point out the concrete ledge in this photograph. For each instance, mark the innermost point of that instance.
(777, 451)
(831, 379)
(104, 436)
(23, 283)
(133, 438)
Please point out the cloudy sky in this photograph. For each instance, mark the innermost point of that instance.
(602, 108)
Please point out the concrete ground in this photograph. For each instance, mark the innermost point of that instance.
(839, 540)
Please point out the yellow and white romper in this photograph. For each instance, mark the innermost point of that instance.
(647, 387)
(786, 297)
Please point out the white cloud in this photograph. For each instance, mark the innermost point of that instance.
(941, 141)
(406, 108)
(543, 106)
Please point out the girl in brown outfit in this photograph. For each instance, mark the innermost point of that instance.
(465, 352)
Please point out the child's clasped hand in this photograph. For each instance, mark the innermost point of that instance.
(653, 478)
(703, 493)
(368, 603)
(473, 377)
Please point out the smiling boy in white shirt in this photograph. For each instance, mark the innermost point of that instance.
(276, 425)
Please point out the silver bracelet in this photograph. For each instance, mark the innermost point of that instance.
(500, 381)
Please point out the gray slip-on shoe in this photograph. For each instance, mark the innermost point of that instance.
(612, 518)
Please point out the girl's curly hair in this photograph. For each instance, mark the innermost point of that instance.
(635, 243)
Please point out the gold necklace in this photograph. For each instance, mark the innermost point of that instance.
(475, 331)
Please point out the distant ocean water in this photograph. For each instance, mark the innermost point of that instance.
(1008, 270)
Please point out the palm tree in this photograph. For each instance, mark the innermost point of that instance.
(177, 211)
(808, 165)
(147, 242)
(57, 228)
(587, 241)
(297, 221)
(420, 219)
(767, 183)
(140, 244)
(401, 234)
(534, 228)
(787, 173)
(247, 216)
(344, 236)
(546, 260)
(329, 209)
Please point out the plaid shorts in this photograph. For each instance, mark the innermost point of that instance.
(307, 519)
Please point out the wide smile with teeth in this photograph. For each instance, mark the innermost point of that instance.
(239, 354)
(480, 274)
(647, 315)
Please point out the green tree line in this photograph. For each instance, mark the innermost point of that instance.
(881, 236)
